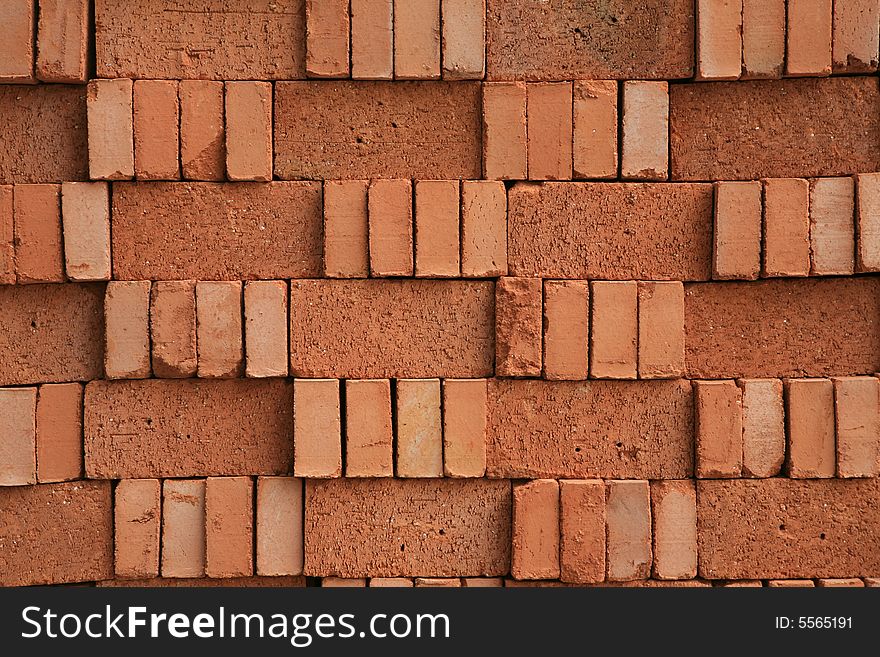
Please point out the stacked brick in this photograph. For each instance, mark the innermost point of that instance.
(396, 294)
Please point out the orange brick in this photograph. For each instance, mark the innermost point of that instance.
(327, 31)
(566, 329)
(483, 229)
(127, 330)
(219, 330)
(464, 39)
(202, 130)
(18, 466)
(518, 326)
(464, 427)
(790, 583)
(229, 527)
(343, 582)
(391, 582)
(853, 582)
(786, 227)
(391, 228)
(279, 526)
(504, 131)
(628, 521)
(419, 430)
(17, 45)
(831, 225)
(173, 328)
(183, 528)
(719, 39)
(594, 117)
(437, 228)
(808, 43)
(136, 518)
(85, 216)
(249, 130)
(737, 246)
(372, 39)
(346, 243)
(645, 139)
(317, 437)
(265, 328)
(549, 121)
(37, 219)
(763, 23)
(614, 336)
(868, 222)
(482, 582)
(742, 583)
(438, 582)
(763, 427)
(871, 582)
(416, 39)
(111, 135)
(857, 413)
(7, 236)
(535, 552)
(156, 130)
(369, 435)
(856, 36)
(719, 434)
(810, 422)
(63, 41)
(582, 531)
(59, 434)
(674, 512)
(661, 330)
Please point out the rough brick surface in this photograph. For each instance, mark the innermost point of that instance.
(17, 50)
(535, 551)
(763, 427)
(137, 519)
(674, 516)
(229, 526)
(628, 516)
(59, 432)
(63, 41)
(17, 422)
(582, 531)
(518, 322)
(810, 421)
(127, 330)
(279, 526)
(369, 435)
(202, 130)
(183, 528)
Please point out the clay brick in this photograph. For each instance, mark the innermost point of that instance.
(719, 39)
(857, 413)
(265, 328)
(419, 430)
(327, 30)
(614, 336)
(645, 131)
(871, 582)
(416, 39)
(379, 130)
(744, 583)
(219, 40)
(566, 329)
(791, 584)
(661, 329)
(482, 582)
(173, 328)
(346, 232)
(594, 115)
(808, 45)
(383, 514)
(464, 39)
(810, 422)
(183, 528)
(136, 514)
(126, 330)
(856, 36)
(111, 131)
(582, 531)
(832, 241)
(505, 151)
(342, 582)
(391, 227)
(598, 429)
(208, 582)
(763, 427)
(85, 216)
(868, 222)
(156, 130)
(279, 526)
(7, 237)
(390, 582)
(229, 527)
(674, 513)
(317, 432)
(437, 240)
(464, 427)
(17, 49)
(51, 333)
(763, 38)
(786, 227)
(63, 41)
(372, 39)
(429, 328)
(369, 435)
(518, 326)
(737, 252)
(628, 518)
(719, 429)
(852, 582)
(39, 254)
(616, 231)
(59, 436)
(202, 130)
(483, 229)
(535, 551)
(782, 528)
(249, 130)
(219, 329)
(168, 428)
(438, 582)
(18, 460)
(56, 533)
(549, 121)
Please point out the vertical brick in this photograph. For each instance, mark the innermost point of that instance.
(808, 43)
(549, 121)
(127, 330)
(156, 130)
(535, 552)
(483, 229)
(136, 521)
(582, 531)
(369, 435)
(614, 335)
(857, 413)
(183, 528)
(17, 45)
(173, 328)
(566, 330)
(63, 41)
(719, 439)
(229, 527)
(327, 41)
(219, 330)
(372, 39)
(464, 427)
(18, 407)
(419, 430)
(346, 243)
(661, 329)
(763, 23)
(317, 435)
(111, 135)
(437, 228)
(391, 228)
(786, 227)
(518, 326)
(628, 518)
(85, 216)
(37, 218)
(868, 222)
(265, 328)
(279, 526)
(416, 39)
(810, 422)
(390, 582)
(594, 115)
(59, 436)
(856, 36)
(202, 130)
(464, 39)
(763, 427)
(249, 131)
(674, 512)
(719, 39)
(504, 131)
(645, 139)
(737, 245)
(831, 225)
(7, 236)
